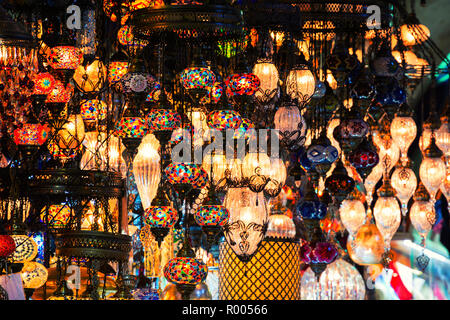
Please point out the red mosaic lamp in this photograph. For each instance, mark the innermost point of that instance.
(185, 271)
(211, 216)
(161, 216)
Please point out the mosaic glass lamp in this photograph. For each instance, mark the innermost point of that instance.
(211, 216)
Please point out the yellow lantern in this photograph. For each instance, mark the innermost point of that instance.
(414, 33)
(272, 274)
(269, 77)
(301, 84)
(72, 133)
(256, 163)
(92, 77)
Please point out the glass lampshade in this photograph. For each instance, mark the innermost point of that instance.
(256, 163)
(248, 221)
(43, 83)
(91, 78)
(301, 84)
(367, 246)
(211, 215)
(183, 173)
(92, 110)
(422, 216)
(34, 275)
(72, 133)
(245, 130)
(215, 93)
(162, 119)
(290, 122)
(103, 153)
(388, 217)
(353, 215)
(224, 120)
(65, 57)
(413, 34)
(160, 216)
(146, 169)
(403, 132)
(277, 173)
(58, 215)
(131, 127)
(242, 84)
(116, 70)
(31, 134)
(432, 173)
(59, 93)
(340, 281)
(445, 187)
(215, 165)
(269, 77)
(404, 182)
(280, 226)
(443, 138)
(182, 270)
(425, 139)
(198, 78)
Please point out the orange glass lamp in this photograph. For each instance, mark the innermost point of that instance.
(90, 77)
(412, 32)
(66, 59)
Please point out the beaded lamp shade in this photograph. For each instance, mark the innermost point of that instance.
(131, 127)
(43, 83)
(116, 70)
(162, 119)
(211, 215)
(65, 57)
(58, 215)
(272, 274)
(161, 217)
(31, 134)
(26, 249)
(183, 173)
(94, 109)
(7, 245)
(224, 120)
(198, 78)
(242, 84)
(182, 270)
